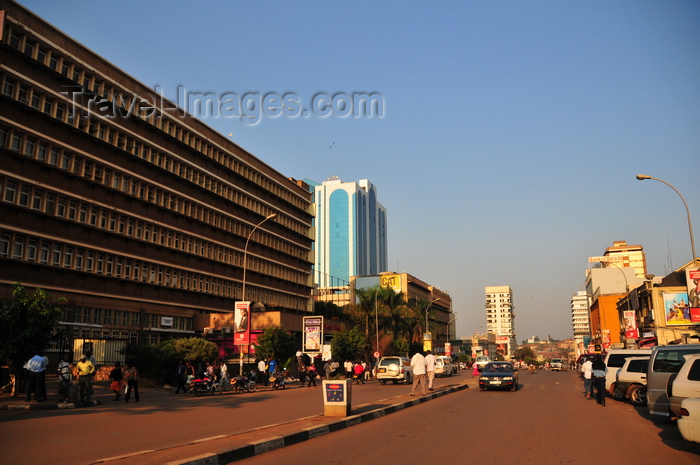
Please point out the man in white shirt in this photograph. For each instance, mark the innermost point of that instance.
(430, 367)
(418, 365)
(587, 370)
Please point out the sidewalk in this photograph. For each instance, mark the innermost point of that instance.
(102, 395)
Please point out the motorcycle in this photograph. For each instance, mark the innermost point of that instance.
(206, 385)
(277, 380)
(531, 368)
(244, 383)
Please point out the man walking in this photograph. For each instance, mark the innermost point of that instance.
(430, 367)
(418, 365)
(598, 372)
(587, 370)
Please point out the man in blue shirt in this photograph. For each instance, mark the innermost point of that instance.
(36, 366)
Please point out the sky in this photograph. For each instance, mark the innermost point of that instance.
(510, 132)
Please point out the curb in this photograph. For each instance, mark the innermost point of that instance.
(276, 442)
(48, 405)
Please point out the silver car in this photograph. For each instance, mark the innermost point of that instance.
(394, 369)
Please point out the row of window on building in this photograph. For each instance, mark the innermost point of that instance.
(59, 254)
(95, 83)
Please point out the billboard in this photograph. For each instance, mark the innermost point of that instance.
(241, 331)
(630, 321)
(313, 334)
(677, 311)
(692, 279)
(391, 280)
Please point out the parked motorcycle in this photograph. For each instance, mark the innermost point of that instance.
(277, 380)
(244, 383)
(206, 385)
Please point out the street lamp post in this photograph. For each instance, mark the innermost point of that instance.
(448, 327)
(245, 266)
(642, 177)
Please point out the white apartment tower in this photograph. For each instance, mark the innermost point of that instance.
(580, 320)
(500, 317)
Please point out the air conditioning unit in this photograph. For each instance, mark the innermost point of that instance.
(208, 330)
(226, 329)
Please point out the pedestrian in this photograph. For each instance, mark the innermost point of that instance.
(300, 359)
(181, 377)
(430, 368)
(35, 366)
(64, 372)
(85, 370)
(359, 373)
(599, 370)
(132, 382)
(348, 369)
(418, 365)
(271, 367)
(117, 380)
(367, 367)
(476, 370)
(261, 370)
(586, 370)
(301, 369)
(327, 368)
(223, 370)
(311, 373)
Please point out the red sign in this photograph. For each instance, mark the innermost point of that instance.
(241, 334)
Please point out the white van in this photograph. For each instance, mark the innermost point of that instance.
(614, 360)
(664, 361)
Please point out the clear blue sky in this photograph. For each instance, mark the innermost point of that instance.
(511, 136)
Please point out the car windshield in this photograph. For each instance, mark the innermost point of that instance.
(498, 368)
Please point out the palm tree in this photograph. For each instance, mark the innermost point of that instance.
(368, 304)
(418, 308)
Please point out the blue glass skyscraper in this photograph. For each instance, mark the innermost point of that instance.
(351, 232)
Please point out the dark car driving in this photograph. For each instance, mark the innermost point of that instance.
(499, 375)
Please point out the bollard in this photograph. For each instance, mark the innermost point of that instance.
(337, 397)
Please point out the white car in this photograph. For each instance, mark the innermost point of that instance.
(631, 381)
(684, 385)
(443, 366)
(395, 369)
(481, 361)
(689, 422)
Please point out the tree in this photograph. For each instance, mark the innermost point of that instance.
(278, 343)
(28, 323)
(524, 353)
(348, 345)
(196, 350)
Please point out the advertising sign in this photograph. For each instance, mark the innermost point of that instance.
(391, 280)
(692, 278)
(241, 331)
(313, 334)
(677, 310)
(630, 321)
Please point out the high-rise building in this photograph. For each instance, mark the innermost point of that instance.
(500, 319)
(141, 216)
(351, 232)
(580, 320)
(622, 255)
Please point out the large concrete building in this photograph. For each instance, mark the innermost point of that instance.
(137, 213)
(580, 321)
(500, 319)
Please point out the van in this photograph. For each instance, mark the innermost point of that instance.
(614, 360)
(664, 361)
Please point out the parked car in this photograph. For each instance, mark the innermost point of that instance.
(664, 361)
(394, 369)
(615, 358)
(684, 385)
(557, 364)
(443, 366)
(499, 375)
(689, 422)
(631, 381)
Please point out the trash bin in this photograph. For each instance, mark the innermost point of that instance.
(337, 397)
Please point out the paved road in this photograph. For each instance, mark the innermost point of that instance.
(548, 421)
(161, 420)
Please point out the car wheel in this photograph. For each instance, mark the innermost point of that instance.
(616, 393)
(395, 381)
(638, 395)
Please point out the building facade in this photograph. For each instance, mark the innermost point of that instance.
(500, 319)
(351, 232)
(135, 212)
(580, 321)
(621, 255)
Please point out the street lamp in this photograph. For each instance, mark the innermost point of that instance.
(245, 250)
(642, 177)
(426, 313)
(245, 263)
(448, 327)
